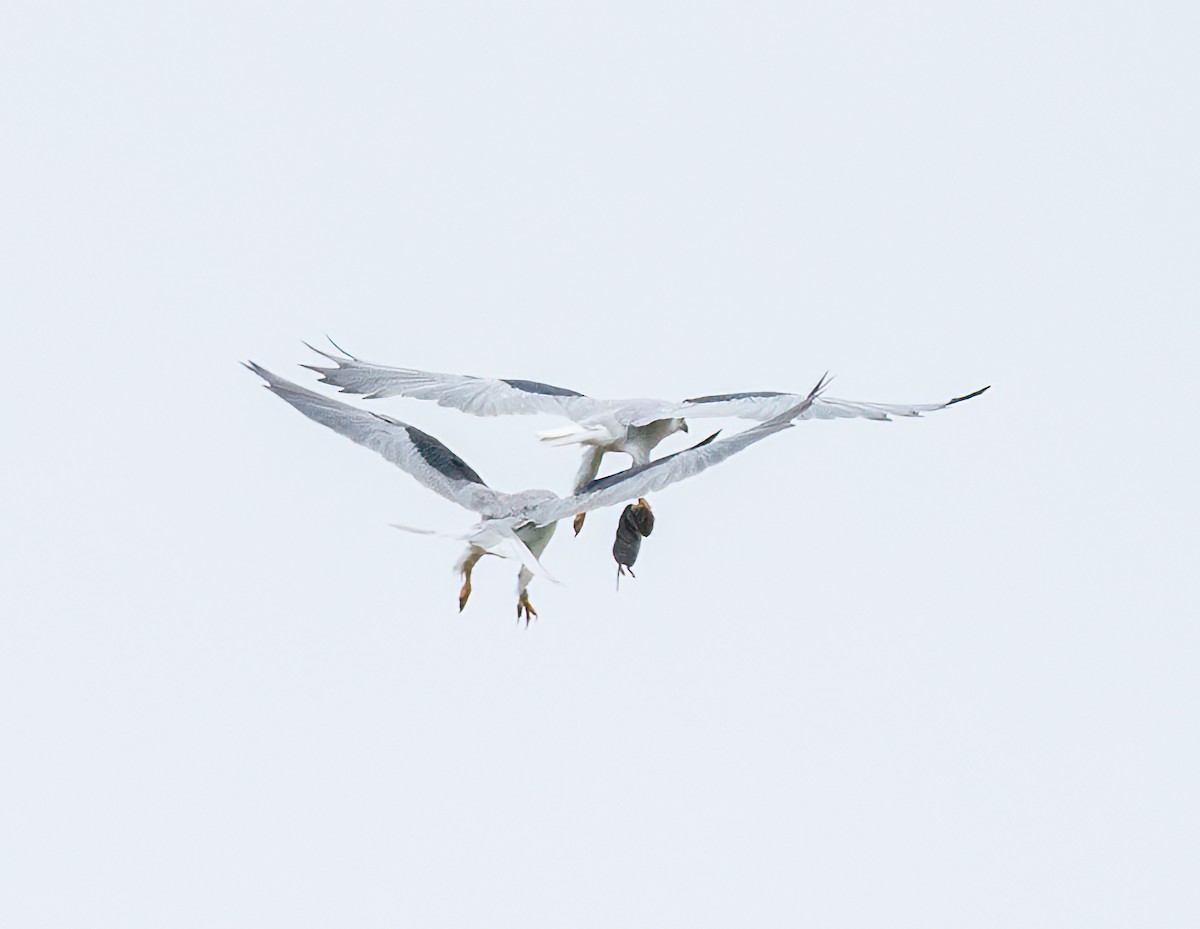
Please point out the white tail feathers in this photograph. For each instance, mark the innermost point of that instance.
(574, 434)
(415, 531)
(494, 540)
(517, 550)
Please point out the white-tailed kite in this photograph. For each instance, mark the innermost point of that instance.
(519, 525)
(633, 427)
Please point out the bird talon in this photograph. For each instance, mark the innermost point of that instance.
(524, 607)
(578, 523)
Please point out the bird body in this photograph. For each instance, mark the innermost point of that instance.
(615, 433)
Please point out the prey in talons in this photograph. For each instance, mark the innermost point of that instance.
(637, 522)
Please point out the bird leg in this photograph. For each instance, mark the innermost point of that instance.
(588, 469)
(526, 608)
(468, 566)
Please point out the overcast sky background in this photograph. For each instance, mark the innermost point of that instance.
(930, 673)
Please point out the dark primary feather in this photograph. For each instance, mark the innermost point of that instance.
(601, 482)
(420, 455)
(536, 387)
(440, 458)
(969, 396)
(746, 395)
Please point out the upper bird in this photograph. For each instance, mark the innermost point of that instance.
(516, 525)
(633, 427)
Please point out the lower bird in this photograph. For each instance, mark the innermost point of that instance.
(520, 525)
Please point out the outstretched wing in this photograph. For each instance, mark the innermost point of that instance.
(764, 404)
(405, 446)
(639, 481)
(479, 396)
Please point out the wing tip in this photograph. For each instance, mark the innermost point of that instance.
(255, 368)
(329, 339)
(313, 348)
(788, 417)
(972, 395)
(345, 355)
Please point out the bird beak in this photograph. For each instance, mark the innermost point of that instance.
(683, 425)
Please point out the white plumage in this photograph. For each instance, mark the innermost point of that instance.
(633, 427)
(516, 525)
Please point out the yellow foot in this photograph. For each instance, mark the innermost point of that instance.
(525, 608)
(578, 524)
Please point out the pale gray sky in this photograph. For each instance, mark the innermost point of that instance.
(931, 673)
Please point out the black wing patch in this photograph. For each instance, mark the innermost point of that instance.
(441, 459)
(536, 387)
(749, 395)
(601, 482)
(969, 396)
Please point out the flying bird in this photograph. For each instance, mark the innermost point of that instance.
(634, 427)
(520, 525)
